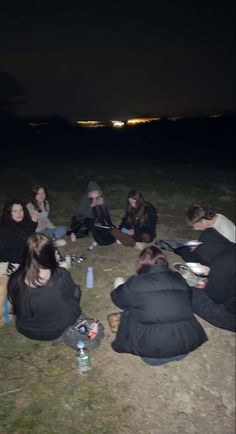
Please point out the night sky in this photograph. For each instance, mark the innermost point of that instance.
(119, 59)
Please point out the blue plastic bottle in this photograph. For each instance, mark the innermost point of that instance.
(89, 278)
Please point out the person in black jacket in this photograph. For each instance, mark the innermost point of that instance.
(45, 299)
(157, 323)
(139, 222)
(16, 226)
(216, 303)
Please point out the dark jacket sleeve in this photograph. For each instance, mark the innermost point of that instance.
(151, 220)
(121, 296)
(70, 288)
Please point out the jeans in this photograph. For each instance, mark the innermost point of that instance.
(56, 232)
(157, 362)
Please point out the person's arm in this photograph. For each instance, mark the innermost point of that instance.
(70, 288)
(121, 295)
(151, 219)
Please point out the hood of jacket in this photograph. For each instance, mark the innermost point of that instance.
(93, 186)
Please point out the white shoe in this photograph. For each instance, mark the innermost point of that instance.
(140, 246)
(92, 245)
(60, 243)
(118, 242)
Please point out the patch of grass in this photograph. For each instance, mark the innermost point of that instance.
(40, 389)
(42, 392)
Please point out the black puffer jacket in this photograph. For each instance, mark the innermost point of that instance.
(157, 320)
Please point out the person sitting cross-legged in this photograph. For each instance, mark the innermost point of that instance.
(157, 322)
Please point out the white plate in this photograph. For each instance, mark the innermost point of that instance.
(197, 268)
(192, 243)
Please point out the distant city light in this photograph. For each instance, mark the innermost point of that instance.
(90, 124)
(117, 124)
(141, 120)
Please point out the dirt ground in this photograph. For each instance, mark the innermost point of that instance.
(194, 396)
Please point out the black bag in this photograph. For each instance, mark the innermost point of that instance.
(79, 227)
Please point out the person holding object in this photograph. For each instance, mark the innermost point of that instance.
(39, 206)
(45, 299)
(157, 322)
(93, 216)
(139, 222)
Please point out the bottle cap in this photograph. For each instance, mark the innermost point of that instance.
(80, 344)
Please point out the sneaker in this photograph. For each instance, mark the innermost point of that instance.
(118, 242)
(140, 246)
(92, 245)
(60, 243)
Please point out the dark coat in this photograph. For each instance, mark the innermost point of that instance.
(157, 320)
(13, 238)
(149, 225)
(219, 253)
(44, 312)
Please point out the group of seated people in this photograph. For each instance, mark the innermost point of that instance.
(157, 321)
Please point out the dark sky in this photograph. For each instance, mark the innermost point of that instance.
(117, 59)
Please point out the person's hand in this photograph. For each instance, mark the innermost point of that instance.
(97, 201)
(34, 216)
(131, 232)
(100, 201)
(118, 281)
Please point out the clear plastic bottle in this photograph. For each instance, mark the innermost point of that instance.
(90, 278)
(83, 359)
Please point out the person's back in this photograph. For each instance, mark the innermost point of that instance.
(201, 218)
(44, 306)
(157, 321)
(225, 227)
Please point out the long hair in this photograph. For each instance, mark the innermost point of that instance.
(150, 256)
(40, 253)
(196, 213)
(7, 209)
(33, 194)
(136, 215)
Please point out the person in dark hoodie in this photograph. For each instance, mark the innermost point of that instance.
(157, 322)
(93, 216)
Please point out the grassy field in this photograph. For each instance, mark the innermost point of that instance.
(40, 389)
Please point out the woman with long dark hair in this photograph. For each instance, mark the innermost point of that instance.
(139, 222)
(16, 226)
(39, 206)
(157, 322)
(45, 299)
